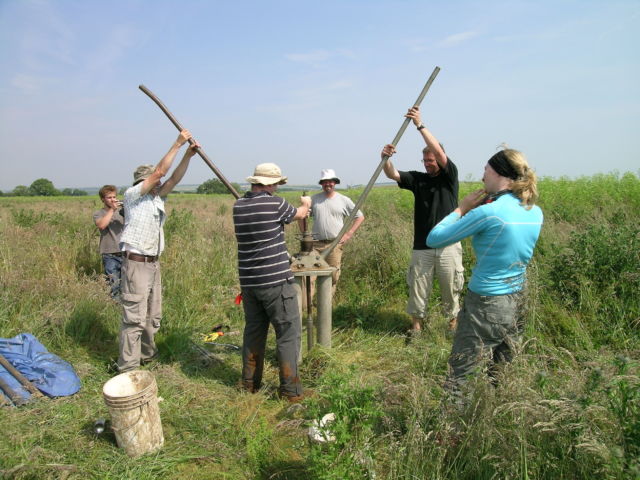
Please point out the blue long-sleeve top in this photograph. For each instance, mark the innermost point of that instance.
(504, 235)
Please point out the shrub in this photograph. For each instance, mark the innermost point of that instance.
(598, 272)
(43, 188)
(21, 191)
(216, 186)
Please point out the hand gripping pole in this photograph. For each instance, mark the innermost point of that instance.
(191, 141)
(347, 224)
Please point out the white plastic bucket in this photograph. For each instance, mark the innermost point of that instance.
(135, 417)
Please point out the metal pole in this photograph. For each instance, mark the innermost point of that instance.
(191, 141)
(324, 310)
(298, 285)
(347, 224)
(307, 281)
(15, 398)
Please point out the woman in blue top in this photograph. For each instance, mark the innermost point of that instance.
(504, 224)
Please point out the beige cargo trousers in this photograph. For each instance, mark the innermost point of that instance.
(142, 304)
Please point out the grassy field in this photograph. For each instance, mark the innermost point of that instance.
(568, 407)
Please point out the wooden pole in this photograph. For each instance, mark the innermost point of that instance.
(191, 141)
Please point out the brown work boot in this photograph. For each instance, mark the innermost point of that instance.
(297, 398)
(248, 387)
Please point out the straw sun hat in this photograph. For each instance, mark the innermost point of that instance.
(267, 174)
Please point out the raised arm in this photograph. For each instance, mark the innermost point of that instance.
(180, 170)
(389, 170)
(165, 163)
(429, 139)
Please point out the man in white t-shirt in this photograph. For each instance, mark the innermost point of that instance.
(329, 209)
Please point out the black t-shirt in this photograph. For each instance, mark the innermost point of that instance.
(434, 198)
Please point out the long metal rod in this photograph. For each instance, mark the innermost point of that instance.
(307, 283)
(200, 152)
(30, 387)
(15, 398)
(374, 177)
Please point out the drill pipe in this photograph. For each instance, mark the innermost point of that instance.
(347, 224)
(191, 141)
(15, 398)
(307, 246)
(30, 387)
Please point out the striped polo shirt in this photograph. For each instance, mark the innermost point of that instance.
(259, 220)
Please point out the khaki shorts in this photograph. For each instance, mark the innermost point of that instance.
(445, 264)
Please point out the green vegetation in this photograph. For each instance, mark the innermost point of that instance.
(216, 186)
(20, 191)
(568, 407)
(43, 187)
(73, 192)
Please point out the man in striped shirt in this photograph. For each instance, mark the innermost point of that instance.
(266, 279)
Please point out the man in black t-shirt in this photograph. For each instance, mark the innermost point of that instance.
(435, 196)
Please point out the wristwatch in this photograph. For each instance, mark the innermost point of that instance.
(421, 126)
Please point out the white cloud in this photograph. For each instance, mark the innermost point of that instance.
(339, 85)
(311, 58)
(456, 39)
(418, 45)
(320, 90)
(48, 38)
(317, 58)
(28, 84)
(309, 98)
(288, 107)
(118, 40)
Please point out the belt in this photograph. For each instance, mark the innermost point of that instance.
(141, 258)
(117, 254)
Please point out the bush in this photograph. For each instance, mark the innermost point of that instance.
(598, 273)
(21, 191)
(215, 186)
(73, 192)
(43, 188)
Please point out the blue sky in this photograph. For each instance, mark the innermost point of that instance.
(312, 85)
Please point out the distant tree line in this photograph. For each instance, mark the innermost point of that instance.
(43, 187)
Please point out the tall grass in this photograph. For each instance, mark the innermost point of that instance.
(567, 407)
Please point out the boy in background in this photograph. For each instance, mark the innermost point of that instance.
(110, 222)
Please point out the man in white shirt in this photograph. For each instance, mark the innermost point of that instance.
(329, 209)
(142, 242)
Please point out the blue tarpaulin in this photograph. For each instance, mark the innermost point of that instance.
(49, 373)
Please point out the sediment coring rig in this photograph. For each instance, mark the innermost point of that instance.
(309, 262)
